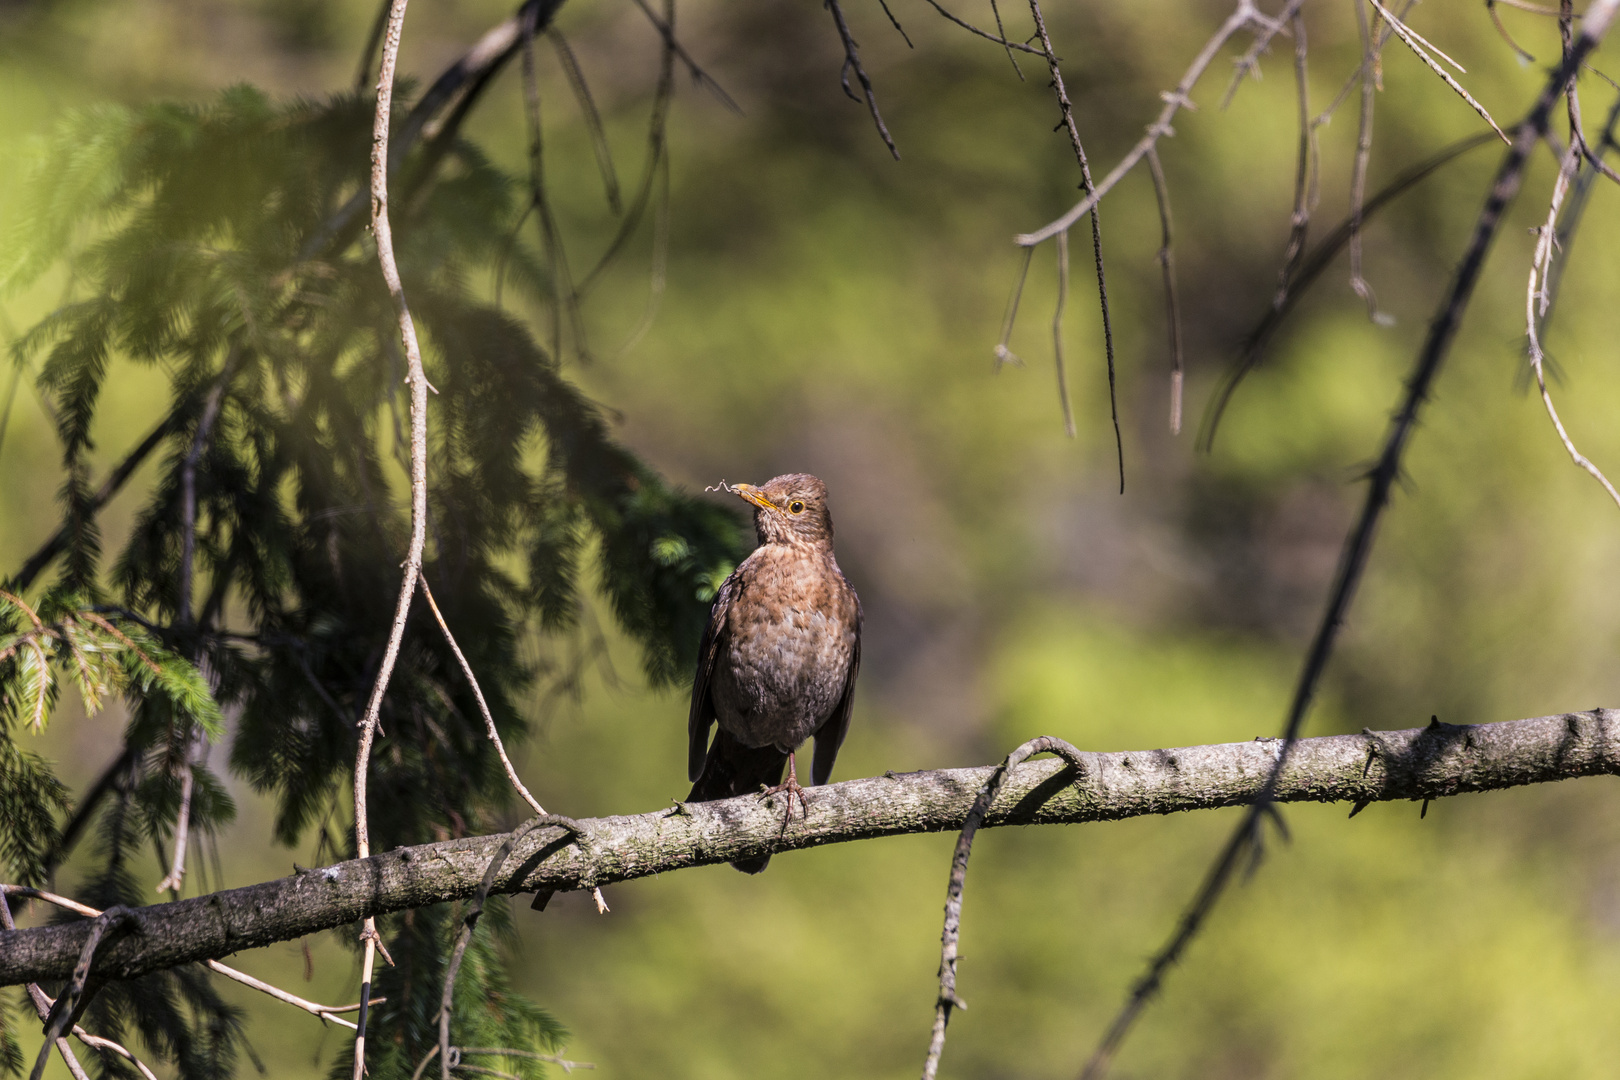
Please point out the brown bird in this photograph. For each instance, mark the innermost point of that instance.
(779, 656)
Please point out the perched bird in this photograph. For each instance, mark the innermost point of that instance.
(779, 656)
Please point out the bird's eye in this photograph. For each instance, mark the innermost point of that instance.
(795, 507)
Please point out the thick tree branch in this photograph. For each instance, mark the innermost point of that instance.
(1424, 763)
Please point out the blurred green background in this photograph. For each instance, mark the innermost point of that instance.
(829, 310)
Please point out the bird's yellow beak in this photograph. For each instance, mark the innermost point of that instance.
(752, 494)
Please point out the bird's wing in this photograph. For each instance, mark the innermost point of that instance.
(702, 714)
(830, 736)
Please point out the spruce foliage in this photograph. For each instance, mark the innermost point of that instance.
(208, 243)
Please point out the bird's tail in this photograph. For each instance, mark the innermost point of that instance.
(733, 769)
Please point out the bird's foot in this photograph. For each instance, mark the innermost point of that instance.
(791, 790)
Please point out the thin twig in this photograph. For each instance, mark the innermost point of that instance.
(1310, 269)
(483, 706)
(184, 617)
(1057, 332)
(1001, 32)
(373, 38)
(1304, 172)
(564, 299)
(657, 152)
(68, 1003)
(1415, 42)
(1358, 170)
(998, 39)
(1174, 100)
(1096, 238)
(469, 921)
(852, 60)
(593, 119)
(1243, 844)
(884, 4)
(417, 378)
(1537, 291)
(1167, 263)
(42, 1004)
(1575, 211)
(1261, 44)
(1003, 354)
(666, 28)
(1496, 20)
(947, 1000)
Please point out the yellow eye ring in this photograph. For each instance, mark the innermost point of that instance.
(795, 507)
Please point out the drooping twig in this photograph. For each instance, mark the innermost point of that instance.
(1575, 211)
(947, 1000)
(373, 39)
(70, 1002)
(593, 119)
(1536, 294)
(1096, 231)
(999, 39)
(1496, 20)
(666, 28)
(657, 151)
(1057, 332)
(1358, 543)
(1167, 264)
(469, 921)
(884, 4)
(852, 62)
(1305, 168)
(42, 1004)
(1002, 353)
(417, 378)
(184, 617)
(1311, 268)
(565, 301)
(1174, 101)
(1358, 170)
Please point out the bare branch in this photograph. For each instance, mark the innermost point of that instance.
(1424, 763)
(1537, 291)
(1174, 100)
(417, 379)
(593, 119)
(1096, 241)
(1311, 269)
(1358, 543)
(1057, 332)
(852, 61)
(1167, 264)
(999, 38)
(1415, 42)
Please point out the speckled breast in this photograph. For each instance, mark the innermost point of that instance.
(791, 637)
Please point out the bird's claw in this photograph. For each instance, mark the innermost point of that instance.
(792, 790)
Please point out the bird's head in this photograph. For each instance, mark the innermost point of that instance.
(790, 509)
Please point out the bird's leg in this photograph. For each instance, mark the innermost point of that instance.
(791, 790)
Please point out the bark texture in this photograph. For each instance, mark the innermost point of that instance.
(1416, 764)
